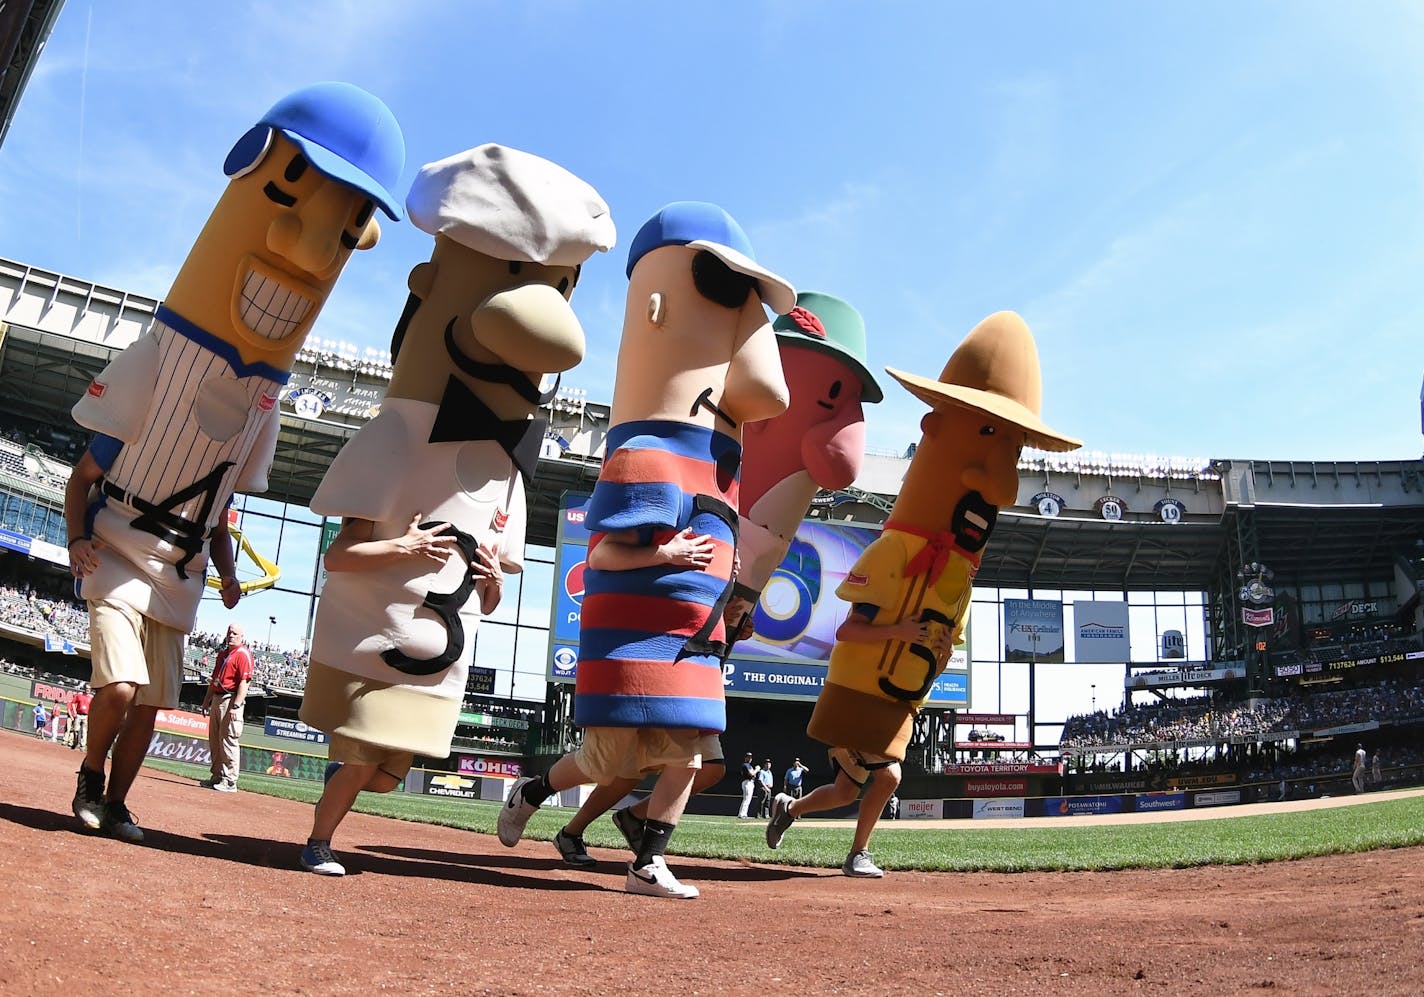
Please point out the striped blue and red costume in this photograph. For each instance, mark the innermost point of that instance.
(651, 640)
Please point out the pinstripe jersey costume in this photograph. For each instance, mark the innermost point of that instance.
(651, 640)
(182, 424)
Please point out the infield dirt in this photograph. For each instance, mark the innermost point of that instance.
(214, 902)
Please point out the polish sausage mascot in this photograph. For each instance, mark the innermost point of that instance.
(697, 362)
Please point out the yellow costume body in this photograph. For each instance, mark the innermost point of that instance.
(874, 690)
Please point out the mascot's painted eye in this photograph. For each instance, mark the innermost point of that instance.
(295, 168)
(364, 215)
(987, 431)
(564, 286)
(515, 266)
(835, 389)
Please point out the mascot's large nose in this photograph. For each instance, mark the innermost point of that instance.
(531, 328)
(311, 237)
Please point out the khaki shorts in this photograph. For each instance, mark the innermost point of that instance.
(859, 766)
(394, 763)
(126, 646)
(611, 754)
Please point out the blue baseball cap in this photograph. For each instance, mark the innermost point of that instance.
(700, 225)
(346, 133)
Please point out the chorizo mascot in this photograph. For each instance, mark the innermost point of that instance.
(818, 442)
(910, 589)
(431, 491)
(188, 414)
(698, 361)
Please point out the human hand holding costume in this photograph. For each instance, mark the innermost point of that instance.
(433, 544)
(489, 578)
(84, 556)
(231, 592)
(688, 550)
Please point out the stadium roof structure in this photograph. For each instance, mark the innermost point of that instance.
(24, 26)
(1309, 522)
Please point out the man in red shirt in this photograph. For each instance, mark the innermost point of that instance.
(227, 695)
(81, 702)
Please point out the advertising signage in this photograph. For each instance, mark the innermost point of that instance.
(795, 621)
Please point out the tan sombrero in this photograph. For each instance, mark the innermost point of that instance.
(995, 370)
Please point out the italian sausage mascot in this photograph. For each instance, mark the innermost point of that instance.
(431, 491)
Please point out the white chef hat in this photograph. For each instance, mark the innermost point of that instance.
(511, 205)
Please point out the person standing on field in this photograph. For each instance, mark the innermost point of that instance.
(224, 704)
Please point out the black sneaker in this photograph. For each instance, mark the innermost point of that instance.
(630, 827)
(89, 798)
(572, 848)
(119, 823)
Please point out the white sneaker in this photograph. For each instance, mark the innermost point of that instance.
(859, 865)
(656, 880)
(516, 814)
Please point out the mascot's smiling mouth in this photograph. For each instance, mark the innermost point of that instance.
(270, 308)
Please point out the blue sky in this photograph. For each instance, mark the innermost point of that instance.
(1210, 214)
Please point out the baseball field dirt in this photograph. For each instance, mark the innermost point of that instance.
(214, 902)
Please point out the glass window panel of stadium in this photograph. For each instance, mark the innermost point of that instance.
(1072, 688)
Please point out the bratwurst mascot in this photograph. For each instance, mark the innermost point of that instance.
(818, 442)
(697, 361)
(431, 491)
(910, 590)
(188, 413)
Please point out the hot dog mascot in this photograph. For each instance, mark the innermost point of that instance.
(698, 361)
(431, 491)
(910, 589)
(188, 414)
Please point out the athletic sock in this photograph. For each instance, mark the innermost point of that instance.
(655, 840)
(536, 792)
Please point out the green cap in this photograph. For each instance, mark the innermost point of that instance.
(829, 325)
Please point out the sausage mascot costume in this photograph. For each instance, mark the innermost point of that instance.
(985, 410)
(444, 461)
(818, 442)
(188, 413)
(697, 361)
(488, 317)
(910, 589)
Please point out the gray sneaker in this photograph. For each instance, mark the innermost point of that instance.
(572, 849)
(88, 802)
(858, 864)
(515, 814)
(119, 823)
(781, 820)
(629, 826)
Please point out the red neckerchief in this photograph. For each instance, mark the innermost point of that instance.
(934, 555)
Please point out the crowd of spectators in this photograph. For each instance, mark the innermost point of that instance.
(23, 607)
(1209, 719)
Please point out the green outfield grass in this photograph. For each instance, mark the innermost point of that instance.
(902, 845)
